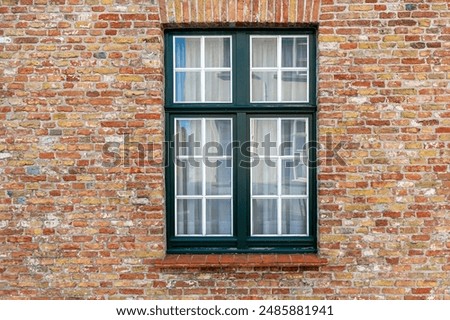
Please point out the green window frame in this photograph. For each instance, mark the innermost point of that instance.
(242, 116)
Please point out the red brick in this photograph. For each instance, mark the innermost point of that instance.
(109, 16)
(113, 124)
(26, 40)
(133, 16)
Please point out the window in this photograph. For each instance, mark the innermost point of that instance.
(240, 122)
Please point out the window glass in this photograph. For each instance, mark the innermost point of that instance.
(294, 52)
(279, 69)
(217, 52)
(202, 69)
(294, 216)
(279, 178)
(294, 86)
(218, 86)
(264, 52)
(188, 86)
(187, 52)
(189, 217)
(264, 86)
(203, 173)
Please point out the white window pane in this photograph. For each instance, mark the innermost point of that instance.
(264, 135)
(279, 215)
(264, 86)
(264, 178)
(218, 137)
(189, 177)
(294, 174)
(293, 137)
(218, 177)
(218, 86)
(217, 52)
(218, 216)
(264, 52)
(187, 86)
(187, 52)
(294, 53)
(264, 216)
(188, 137)
(294, 216)
(189, 217)
(294, 86)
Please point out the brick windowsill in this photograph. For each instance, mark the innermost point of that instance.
(179, 261)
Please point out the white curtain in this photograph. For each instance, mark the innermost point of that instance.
(265, 82)
(204, 187)
(264, 177)
(267, 197)
(188, 84)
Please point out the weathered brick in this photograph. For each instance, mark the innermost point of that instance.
(109, 16)
(130, 78)
(326, 38)
(26, 40)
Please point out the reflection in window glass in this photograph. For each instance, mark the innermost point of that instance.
(203, 175)
(218, 86)
(187, 52)
(279, 77)
(217, 52)
(264, 52)
(189, 217)
(279, 176)
(202, 69)
(187, 86)
(294, 53)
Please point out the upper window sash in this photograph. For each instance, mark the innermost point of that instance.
(202, 69)
(279, 68)
(294, 84)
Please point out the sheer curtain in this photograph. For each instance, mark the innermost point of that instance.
(218, 177)
(187, 55)
(266, 69)
(294, 83)
(279, 204)
(215, 67)
(217, 82)
(188, 177)
(204, 188)
(264, 177)
(264, 82)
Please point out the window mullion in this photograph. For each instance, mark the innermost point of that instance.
(242, 174)
(242, 72)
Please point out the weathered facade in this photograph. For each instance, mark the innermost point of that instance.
(76, 75)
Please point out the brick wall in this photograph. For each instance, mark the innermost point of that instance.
(76, 75)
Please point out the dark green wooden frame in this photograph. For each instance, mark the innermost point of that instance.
(240, 110)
